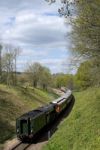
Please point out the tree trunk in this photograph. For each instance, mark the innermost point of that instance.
(35, 84)
(0, 63)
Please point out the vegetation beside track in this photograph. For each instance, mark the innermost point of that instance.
(15, 101)
(81, 130)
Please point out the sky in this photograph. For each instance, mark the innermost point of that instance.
(37, 29)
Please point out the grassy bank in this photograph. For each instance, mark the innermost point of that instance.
(81, 130)
(16, 101)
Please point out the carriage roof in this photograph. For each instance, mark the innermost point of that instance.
(63, 98)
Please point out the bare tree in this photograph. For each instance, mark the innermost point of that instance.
(16, 53)
(66, 8)
(9, 64)
(0, 62)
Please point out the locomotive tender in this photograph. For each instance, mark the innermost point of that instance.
(31, 123)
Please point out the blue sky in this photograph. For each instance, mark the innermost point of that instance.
(37, 28)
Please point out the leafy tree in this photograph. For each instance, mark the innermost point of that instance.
(87, 75)
(23, 79)
(82, 78)
(45, 79)
(63, 80)
(86, 40)
(86, 28)
(39, 75)
(33, 72)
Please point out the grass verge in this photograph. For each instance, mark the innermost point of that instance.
(81, 130)
(16, 101)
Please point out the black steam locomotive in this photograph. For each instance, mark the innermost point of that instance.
(31, 123)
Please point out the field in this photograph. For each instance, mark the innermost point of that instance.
(81, 130)
(16, 101)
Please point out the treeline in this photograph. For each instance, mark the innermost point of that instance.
(34, 75)
(39, 76)
(86, 76)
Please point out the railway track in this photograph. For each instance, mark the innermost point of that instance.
(28, 146)
(21, 146)
(44, 135)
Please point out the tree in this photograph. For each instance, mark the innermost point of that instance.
(0, 62)
(86, 28)
(16, 52)
(45, 78)
(39, 75)
(66, 5)
(86, 37)
(63, 80)
(87, 75)
(82, 78)
(33, 72)
(86, 25)
(9, 64)
(23, 79)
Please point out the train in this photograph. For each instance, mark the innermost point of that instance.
(30, 124)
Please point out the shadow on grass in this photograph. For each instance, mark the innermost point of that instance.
(6, 131)
(28, 93)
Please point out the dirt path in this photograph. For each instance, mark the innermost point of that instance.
(11, 143)
(17, 145)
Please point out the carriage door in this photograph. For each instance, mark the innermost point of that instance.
(47, 117)
(25, 127)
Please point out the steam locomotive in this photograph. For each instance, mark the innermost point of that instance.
(31, 123)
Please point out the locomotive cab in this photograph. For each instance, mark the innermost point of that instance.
(23, 127)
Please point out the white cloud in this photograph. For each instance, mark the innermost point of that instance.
(33, 53)
(36, 28)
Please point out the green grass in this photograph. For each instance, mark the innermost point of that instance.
(81, 130)
(16, 101)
